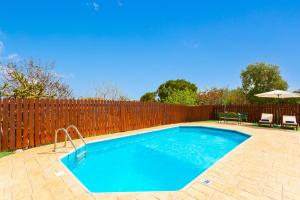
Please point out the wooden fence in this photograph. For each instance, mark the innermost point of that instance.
(254, 111)
(29, 123)
(26, 123)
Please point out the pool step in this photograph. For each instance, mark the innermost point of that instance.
(81, 154)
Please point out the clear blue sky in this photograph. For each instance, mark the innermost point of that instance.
(138, 44)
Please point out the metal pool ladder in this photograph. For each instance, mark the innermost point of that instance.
(67, 136)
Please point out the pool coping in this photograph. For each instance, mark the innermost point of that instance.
(266, 166)
(138, 132)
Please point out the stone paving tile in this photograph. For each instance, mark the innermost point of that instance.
(265, 167)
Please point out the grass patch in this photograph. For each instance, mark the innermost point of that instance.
(5, 153)
(210, 121)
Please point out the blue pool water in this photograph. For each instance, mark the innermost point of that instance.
(162, 160)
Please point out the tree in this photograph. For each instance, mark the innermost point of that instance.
(213, 96)
(182, 97)
(222, 96)
(234, 96)
(261, 77)
(29, 79)
(149, 97)
(173, 87)
(110, 91)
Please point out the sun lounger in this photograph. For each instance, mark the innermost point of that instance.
(266, 119)
(289, 121)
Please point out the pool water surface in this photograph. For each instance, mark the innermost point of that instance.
(162, 160)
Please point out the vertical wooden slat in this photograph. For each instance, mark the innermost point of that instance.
(91, 125)
(42, 114)
(54, 117)
(66, 113)
(1, 123)
(31, 122)
(113, 115)
(66, 107)
(58, 117)
(109, 118)
(102, 117)
(61, 119)
(19, 125)
(48, 121)
(97, 117)
(105, 107)
(37, 139)
(92, 116)
(5, 125)
(88, 118)
(12, 134)
(122, 127)
(25, 123)
(71, 116)
(78, 116)
(82, 117)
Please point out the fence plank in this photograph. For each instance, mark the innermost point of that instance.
(48, 121)
(54, 117)
(1, 122)
(19, 124)
(31, 123)
(12, 116)
(25, 112)
(61, 119)
(42, 122)
(5, 124)
(37, 139)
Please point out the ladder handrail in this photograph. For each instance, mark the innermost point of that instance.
(66, 135)
(77, 131)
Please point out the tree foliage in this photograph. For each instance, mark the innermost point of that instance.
(174, 92)
(182, 97)
(222, 96)
(256, 78)
(149, 97)
(29, 79)
(174, 88)
(213, 96)
(259, 78)
(234, 97)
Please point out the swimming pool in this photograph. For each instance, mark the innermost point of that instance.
(162, 160)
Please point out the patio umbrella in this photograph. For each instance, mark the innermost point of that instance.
(278, 94)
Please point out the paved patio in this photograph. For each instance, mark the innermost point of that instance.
(265, 167)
